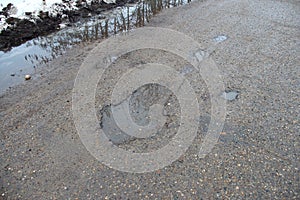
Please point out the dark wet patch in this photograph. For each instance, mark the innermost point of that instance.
(112, 131)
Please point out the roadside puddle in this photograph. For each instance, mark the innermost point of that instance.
(24, 59)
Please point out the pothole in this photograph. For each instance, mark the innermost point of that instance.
(220, 38)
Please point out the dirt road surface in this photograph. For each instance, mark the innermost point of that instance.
(257, 156)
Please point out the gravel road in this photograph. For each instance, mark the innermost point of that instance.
(257, 156)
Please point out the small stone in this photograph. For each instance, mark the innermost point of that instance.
(27, 77)
(61, 26)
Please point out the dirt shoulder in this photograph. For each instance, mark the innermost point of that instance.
(22, 30)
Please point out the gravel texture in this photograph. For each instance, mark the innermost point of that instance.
(257, 156)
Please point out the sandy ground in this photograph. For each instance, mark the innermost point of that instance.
(257, 156)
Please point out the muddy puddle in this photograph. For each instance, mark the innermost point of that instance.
(140, 104)
(26, 58)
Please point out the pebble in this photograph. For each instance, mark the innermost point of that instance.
(27, 77)
(61, 26)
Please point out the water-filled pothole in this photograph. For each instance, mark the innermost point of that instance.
(140, 102)
(220, 38)
(230, 95)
